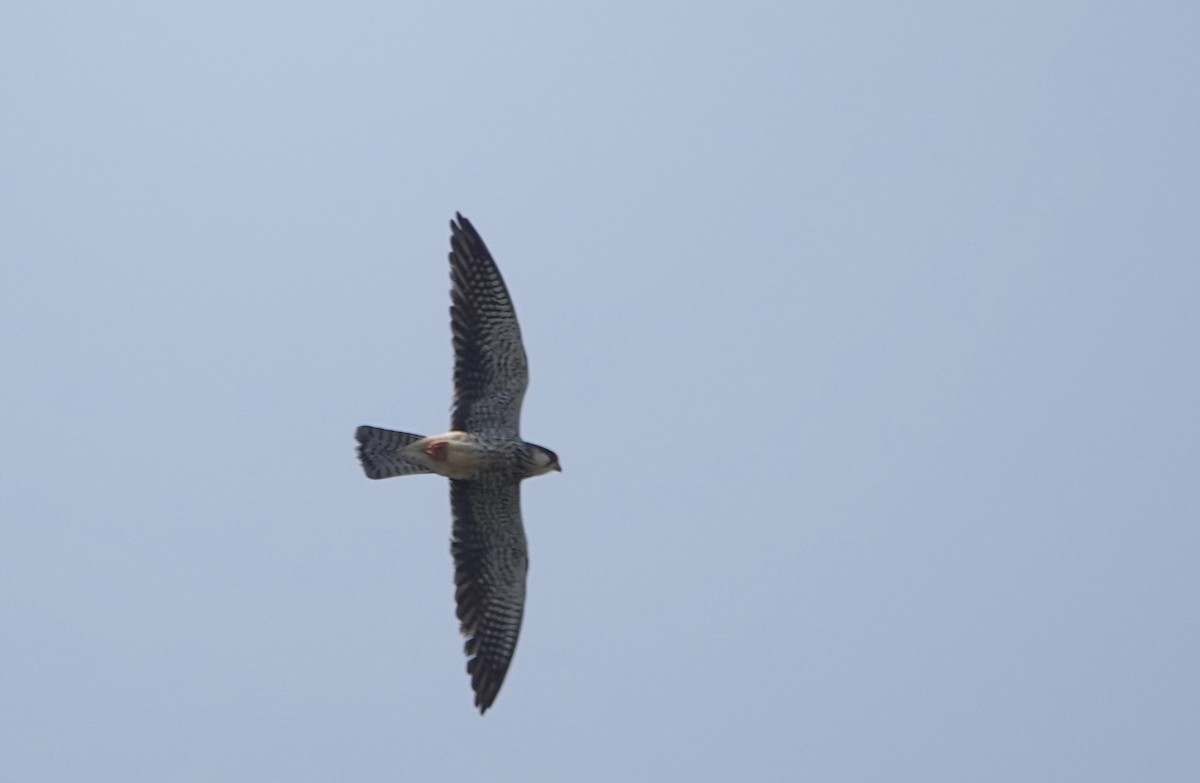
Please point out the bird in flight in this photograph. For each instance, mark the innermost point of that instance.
(484, 457)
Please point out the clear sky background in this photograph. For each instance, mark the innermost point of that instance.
(867, 333)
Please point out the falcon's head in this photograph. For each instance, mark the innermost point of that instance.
(544, 460)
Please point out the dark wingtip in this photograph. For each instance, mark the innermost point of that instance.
(461, 227)
(482, 682)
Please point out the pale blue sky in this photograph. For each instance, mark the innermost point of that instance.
(867, 334)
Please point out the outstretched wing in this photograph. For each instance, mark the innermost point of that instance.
(490, 563)
(490, 368)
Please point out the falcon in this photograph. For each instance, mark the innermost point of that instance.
(484, 457)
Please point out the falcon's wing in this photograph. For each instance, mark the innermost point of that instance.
(490, 563)
(490, 368)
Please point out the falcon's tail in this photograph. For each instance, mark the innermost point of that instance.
(382, 452)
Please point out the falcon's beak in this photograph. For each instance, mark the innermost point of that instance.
(556, 467)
